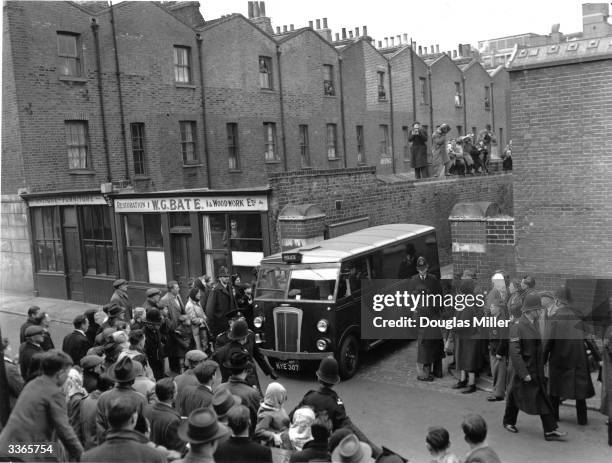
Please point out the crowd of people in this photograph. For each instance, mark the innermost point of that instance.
(462, 155)
(141, 383)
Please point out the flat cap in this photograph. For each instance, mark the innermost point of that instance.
(152, 292)
(91, 361)
(33, 330)
(195, 356)
(119, 282)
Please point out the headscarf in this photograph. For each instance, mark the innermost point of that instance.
(74, 384)
(276, 395)
(299, 432)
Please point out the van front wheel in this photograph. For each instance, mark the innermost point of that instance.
(348, 358)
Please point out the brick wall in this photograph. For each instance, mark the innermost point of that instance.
(562, 126)
(444, 74)
(15, 253)
(385, 199)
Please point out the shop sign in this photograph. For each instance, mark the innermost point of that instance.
(76, 200)
(193, 204)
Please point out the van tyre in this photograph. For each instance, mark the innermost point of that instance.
(348, 357)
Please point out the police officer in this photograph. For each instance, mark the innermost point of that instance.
(240, 337)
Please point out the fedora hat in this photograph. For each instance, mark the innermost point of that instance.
(223, 400)
(123, 371)
(237, 359)
(223, 272)
(532, 302)
(328, 371)
(350, 450)
(201, 427)
(239, 330)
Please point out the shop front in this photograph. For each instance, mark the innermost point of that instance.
(182, 235)
(73, 246)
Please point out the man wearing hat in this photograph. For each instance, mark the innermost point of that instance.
(222, 403)
(203, 432)
(92, 369)
(219, 303)
(123, 374)
(239, 337)
(32, 320)
(192, 359)
(123, 442)
(120, 297)
(200, 395)
(430, 342)
(238, 363)
(27, 351)
(156, 333)
(440, 160)
(76, 343)
(351, 450)
(153, 296)
(528, 391)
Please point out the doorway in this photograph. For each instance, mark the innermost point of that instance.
(74, 268)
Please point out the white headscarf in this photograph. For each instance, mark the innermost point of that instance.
(299, 432)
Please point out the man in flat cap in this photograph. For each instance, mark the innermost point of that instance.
(121, 298)
(153, 299)
(32, 320)
(27, 351)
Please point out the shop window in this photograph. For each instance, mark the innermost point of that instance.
(48, 239)
(97, 241)
(68, 54)
(182, 65)
(145, 248)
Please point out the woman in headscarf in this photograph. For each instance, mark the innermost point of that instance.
(272, 419)
(75, 392)
(299, 433)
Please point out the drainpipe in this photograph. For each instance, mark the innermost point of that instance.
(492, 108)
(431, 119)
(343, 120)
(94, 28)
(414, 114)
(120, 94)
(465, 124)
(392, 119)
(205, 136)
(282, 107)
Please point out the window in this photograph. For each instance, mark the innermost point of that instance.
(138, 147)
(352, 273)
(145, 248)
(458, 95)
(47, 239)
(271, 153)
(332, 141)
(382, 94)
(232, 240)
(69, 63)
(304, 146)
(487, 98)
(265, 72)
(360, 145)
(188, 142)
(77, 137)
(232, 146)
(423, 90)
(97, 241)
(328, 80)
(459, 130)
(406, 135)
(182, 64)
(384, 140)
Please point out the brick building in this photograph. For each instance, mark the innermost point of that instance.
(170, 140)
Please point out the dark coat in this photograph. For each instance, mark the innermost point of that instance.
(156, 338)
(183, 381)
(468, 342)
(40, 416)
(104, 402)
(122, 299)
(527, 358)
(418, 149)
(249, 396)
(47, 343)
(430, 347)
(606, 378)
(194, 397)
(29, 322)
(242, 450)
(219, 303)
(482, 455)
(15, 381)
(164, 421)
(129, 446)
(565, 350)
(28, 367)
(407, 269)
(89, 407)
(76, 345)
(175, 307)
(311, 451)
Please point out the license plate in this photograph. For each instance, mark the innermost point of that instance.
(287, 365)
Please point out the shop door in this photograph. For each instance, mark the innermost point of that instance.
(180, 261)
(74, 268)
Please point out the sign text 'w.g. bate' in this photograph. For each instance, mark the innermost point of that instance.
(193, 204)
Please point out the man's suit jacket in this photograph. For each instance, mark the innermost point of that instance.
(164, 421)
(76, 345)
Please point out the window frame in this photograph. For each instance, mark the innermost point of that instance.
(78, 55)
(270, 142)
(458, 95)
(186, 143)
(182, 68)
(129, 248)
(233, 145)
(423, 90)
(487, 98)
(75, 123)
(265, 64)
(55, 240)
(106, 241)
(332, 144)
(329, 88)
(381, 89)
(360, 136)
(139, 150)
(384, 142)
(304, 144)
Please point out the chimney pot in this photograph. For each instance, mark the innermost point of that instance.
(256, 10)
(437, 48)
(343, 33)
(250, 10)
(420, 50)
(380, 44)
(262, 8)
(386, 42)
(337, 36)
(432, 50)
(350, 34)
(405, 38)
(399, 39)
(324, 23)
(291, 27)
(318, 24)
(356, 32)
(392, 40)
(365, 30)
(284, 28)
(460, 51)
(278, 29)
(454, 53)
(310, 24)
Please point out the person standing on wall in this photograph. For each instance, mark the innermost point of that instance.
(418, 150)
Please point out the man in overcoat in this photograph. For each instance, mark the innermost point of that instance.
(565, 349)
(120, 297)
(219, 303)
(418, 150)
(528, 392)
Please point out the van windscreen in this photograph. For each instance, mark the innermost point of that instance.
(318, 284)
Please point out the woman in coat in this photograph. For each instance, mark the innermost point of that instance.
(565, 350)
(468, 345)
(272, 419)
(418, 150)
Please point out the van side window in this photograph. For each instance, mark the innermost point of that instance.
(351, 274)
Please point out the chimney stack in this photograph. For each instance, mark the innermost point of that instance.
(405, 38)
(350, 34)
(337, 37)
(324, 23)
(392, 40)
(380, 44)
(460, 51)
(310, 24)
(454, 53)
(437, 48)
(318, 24)
(468, 49)
(365, 30)
(386, 42)
(356, 32)
(256, 10)
(291, 27)
(251, 10)
(278, 29)
(284, 29)
(399, 39)
(420, 50)
(344, 33)
(262, 8)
